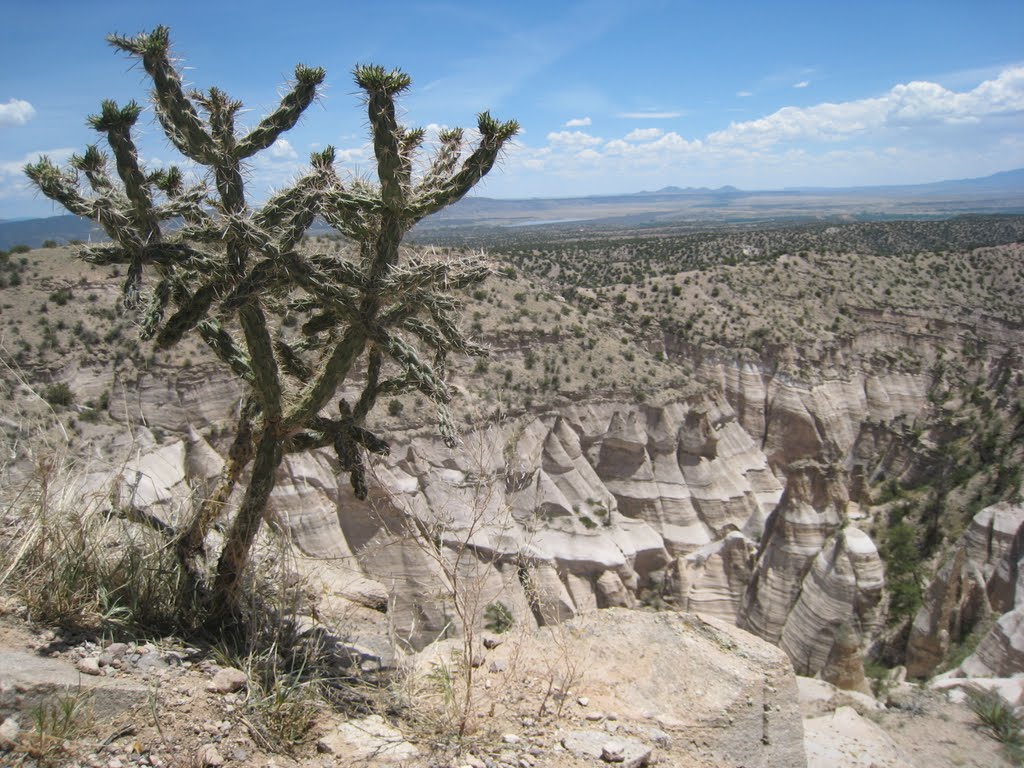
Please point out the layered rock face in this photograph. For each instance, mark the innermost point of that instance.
(826, 418)
(982, 575)
(551, 516)
(814, 579)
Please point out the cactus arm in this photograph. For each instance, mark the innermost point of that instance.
(445, 160)
(62, 188)
(190, 313)
(381, 88)
(368, 398)
(93, 164)
(493, 137)
(319, 392)
(178, 116)
(287, 114)
(117, 122)
(226, 349)
(265, 374)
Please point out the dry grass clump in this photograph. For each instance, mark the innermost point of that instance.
(72, 558)
(999, 720)
(75, 561)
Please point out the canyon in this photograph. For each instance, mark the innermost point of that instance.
(762, 487)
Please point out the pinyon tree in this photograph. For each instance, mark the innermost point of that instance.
(201, 259)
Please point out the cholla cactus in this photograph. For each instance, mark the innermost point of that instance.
(228, 270)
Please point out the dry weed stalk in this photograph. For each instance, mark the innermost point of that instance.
(458, 542)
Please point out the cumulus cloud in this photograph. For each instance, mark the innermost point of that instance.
(644, 134)
(649, 115)
(802, 84)
(16, 112)
(577, 139)
(578, 122)
(283, 150)
(17, 167)
(914, 103)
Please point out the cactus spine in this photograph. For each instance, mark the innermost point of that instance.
(230, 272)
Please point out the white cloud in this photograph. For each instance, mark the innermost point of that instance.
(644, 134)
(16, 112)
(283, 150)
(15, 186)
(577, 139)
(885, 139)
(578, 122)
(802, 84)
(744, 94)
(649, 115)
(914, 103)
(17, 167)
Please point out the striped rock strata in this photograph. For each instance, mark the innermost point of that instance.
(982, 575)
(814, 577)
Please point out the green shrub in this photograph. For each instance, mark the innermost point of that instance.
(498, 618)
(59, 394)
(61, 296)
(999, 720)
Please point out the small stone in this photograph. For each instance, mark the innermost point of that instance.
(583, 701)
(594, 716)
(612, 752)
(623, 751)
(151, 662)
(477, 660)
(209, 756)
(492, 641)
(117, 650)
(511, 738)
(498, 665)
(227, 680)
(89, 666)
(9, 731)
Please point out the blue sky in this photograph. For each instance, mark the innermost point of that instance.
(613, 96)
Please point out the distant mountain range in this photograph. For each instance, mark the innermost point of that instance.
(999, 193)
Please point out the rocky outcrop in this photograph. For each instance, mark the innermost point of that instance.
(712, 580)
(813, 577)
(563, 513)
(822, 418)
(844, 667)
(1001, 652)
(552, 516)
(953, 603)
(981, 574)
(698, 690)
